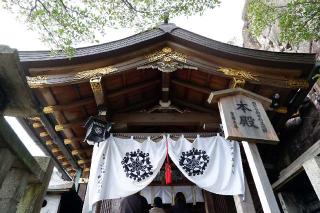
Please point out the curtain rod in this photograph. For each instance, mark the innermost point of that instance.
(186, 134)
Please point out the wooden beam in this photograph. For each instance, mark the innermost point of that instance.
(244, 203)
(81, 162)
(165, 86)
(211, 121)
(137, 106)
(43, 134)
(61, 127)
(71, 140)
(296, 166)
(62, 107)
(37, 125)
(188, 85)
(161, 119)
(191, 106)
(55, 150)
(263, 186)
(49, 142)
(133, 88)
(97, 89)
(80, 151)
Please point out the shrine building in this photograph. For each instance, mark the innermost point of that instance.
(158, 113)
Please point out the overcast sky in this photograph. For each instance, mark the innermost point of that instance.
(224, 24)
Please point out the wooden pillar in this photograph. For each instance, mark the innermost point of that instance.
(288, 203)
(312, 168)
(208, 202)
(266, 195)
(244, 204)
(12, 189)
(6, 161)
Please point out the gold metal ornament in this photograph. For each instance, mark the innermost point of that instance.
(88, 74)
(48, 109)
(37, 81)
(95, 83)
(238, 74)
(167, 60)
(235, 82)
(297, 83)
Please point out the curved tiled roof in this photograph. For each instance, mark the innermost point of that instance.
(171, 32)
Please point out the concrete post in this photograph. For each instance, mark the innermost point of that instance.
(12, 190)
(244, 204)
(31, 202)
(312, 168)
(266, 195)
(6, 161)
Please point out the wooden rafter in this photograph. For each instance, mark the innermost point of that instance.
(160, 119)
(157, 119)
(201, 89)
(80, 151)
(133, 88)
(62, 107)
(72, 140)
(191, 105)
(137, 106)
(61, 127)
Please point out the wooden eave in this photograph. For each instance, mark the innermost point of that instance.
(131, 89)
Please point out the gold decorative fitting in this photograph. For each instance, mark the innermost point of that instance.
(95, 83)
(167, 60)
(65, 163)
(44, 134)
(36, 125)
(86, 169)
(58, 127)
(297, 83)
(84, 75)
(237, 83)
(67, 141)
(48, 109)
(69, 169)
(55, 150)
(34, 119)
(282, 110)
(81, 162)
(60, 157)
(49, 142)
(37, 81)
(238, 74)
(75, 152)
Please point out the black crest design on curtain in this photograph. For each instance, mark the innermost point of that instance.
(137, 165)
(194, 162)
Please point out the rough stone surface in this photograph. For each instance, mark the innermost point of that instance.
(297, 140)
(270, 39)
(12, 190)
(32, 200)
(6, 159)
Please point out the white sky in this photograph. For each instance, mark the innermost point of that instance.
(224, 24)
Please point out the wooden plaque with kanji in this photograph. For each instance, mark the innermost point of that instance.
(244, 119)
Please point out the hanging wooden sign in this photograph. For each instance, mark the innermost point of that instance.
(243, 116)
